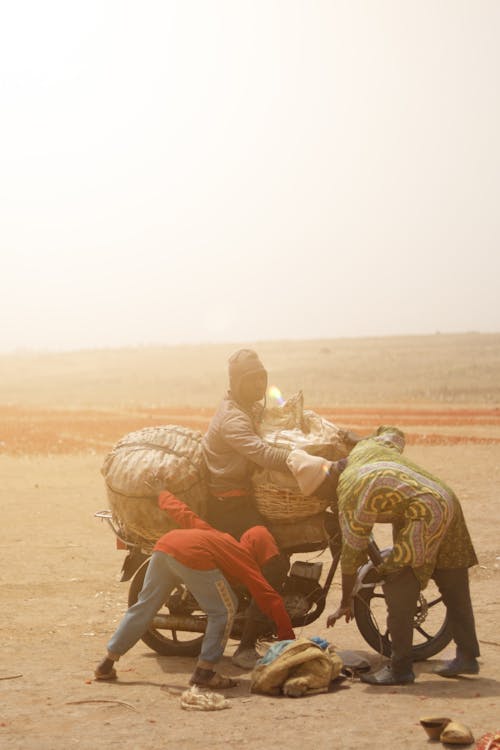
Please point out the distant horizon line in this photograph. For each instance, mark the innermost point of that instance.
(236, 343)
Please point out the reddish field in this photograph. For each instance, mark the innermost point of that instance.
(32, 431)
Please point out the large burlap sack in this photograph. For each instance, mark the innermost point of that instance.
(170, 453)
(277, 494)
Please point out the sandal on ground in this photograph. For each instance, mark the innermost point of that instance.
(209, 678)
(111, 675)
(105, 670)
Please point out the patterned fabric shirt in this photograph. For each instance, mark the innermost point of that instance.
(380, 486)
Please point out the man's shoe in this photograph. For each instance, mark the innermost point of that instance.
(105, 670)
(245, 658)
(386, 676)
(109, 675)
(457, 666)
(208, 678)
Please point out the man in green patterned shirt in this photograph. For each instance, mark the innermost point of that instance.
(378, 485)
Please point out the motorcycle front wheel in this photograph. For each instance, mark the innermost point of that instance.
(431, 629)
(173, 641)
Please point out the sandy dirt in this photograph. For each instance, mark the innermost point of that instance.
(60, 600)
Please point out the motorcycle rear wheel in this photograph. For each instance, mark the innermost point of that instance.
(177, 643)
(431, 629)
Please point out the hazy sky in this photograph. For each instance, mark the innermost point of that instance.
(181, 171)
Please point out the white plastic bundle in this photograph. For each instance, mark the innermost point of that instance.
(277, 494)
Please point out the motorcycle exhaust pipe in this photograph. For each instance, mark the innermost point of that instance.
(179, 622)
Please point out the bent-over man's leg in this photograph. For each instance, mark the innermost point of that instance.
(217, 599)
(453, 584)
(159, 581)
(401, 590)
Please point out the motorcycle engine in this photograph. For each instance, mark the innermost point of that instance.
(296, 605)
(301, 587)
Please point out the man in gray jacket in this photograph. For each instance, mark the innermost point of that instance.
(232, 450)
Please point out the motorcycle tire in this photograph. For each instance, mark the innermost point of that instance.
(432, 631)
(178, 643)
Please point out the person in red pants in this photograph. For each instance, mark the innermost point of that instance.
(207, 561)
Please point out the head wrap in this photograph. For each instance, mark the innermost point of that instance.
(259, 544)
(391, 437)
(243, 363)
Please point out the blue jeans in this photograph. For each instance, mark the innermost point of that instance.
(210, 589)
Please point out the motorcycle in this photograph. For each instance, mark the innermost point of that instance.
(178, 628)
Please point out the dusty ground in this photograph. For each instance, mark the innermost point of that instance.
(60, 600)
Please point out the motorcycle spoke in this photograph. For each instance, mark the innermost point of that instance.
(430, 626)
(373, 618)
(434, 602)
(384, 634)
(423, 632)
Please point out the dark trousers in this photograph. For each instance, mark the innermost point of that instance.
(233, 515)
(402, 589)
(453, 585)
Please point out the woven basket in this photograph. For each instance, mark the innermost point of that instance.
(282, 504)
(290, 426)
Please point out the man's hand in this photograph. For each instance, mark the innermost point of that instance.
(340, 612)
(345, 608)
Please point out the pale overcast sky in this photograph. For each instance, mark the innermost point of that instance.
(188, 171)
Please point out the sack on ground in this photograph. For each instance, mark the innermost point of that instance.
(301, 667)
(170, 453)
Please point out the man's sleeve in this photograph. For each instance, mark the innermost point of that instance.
(245, 570)
(355, 538)
(271, 604)
(238, 432)
(180, 512)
